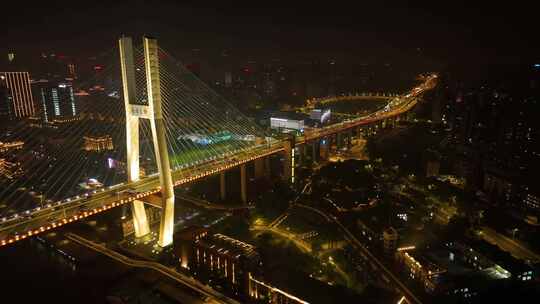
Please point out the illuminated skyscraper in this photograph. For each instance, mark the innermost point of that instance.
(71, 71)
(56, 100)
(19, 93)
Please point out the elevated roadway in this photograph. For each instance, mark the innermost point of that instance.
(57, 214)
(72, 209)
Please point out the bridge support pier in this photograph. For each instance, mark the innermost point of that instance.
(301, 152)
(324, 148)
(349, 139)
(315, 151)
(222, 186)
(267, 167)
(259, 168)
(339, 141)
(243, 183)
(140, 221)
(288, 164)
(408, 116)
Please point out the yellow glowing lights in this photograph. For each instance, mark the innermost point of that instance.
(406, 248)
(192, 177)
(288, 295)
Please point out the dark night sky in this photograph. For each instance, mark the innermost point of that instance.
(444, 31)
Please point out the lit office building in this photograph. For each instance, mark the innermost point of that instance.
(17, 94)
(57, 100)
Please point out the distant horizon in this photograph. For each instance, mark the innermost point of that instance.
(446, 36)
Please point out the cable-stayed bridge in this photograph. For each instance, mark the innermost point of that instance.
(167, 128)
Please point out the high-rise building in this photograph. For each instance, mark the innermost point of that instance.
(56, 100)
(5, 108)
(71, 71)
(228, 79)
(52, 66)
(18, 94)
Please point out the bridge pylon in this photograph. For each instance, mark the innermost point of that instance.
(154, 113)
(140, 221)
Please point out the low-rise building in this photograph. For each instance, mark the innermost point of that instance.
(219, 255)
(287, 121)
(9, 170)
(98, 143)
(8, 146)
(531, 200)
(421, 268)
(390, 240)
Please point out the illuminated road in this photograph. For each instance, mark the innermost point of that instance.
(395, 107)
(57, 214)
(210, 206)
(211, 295)
(354, 241)
(65, 212)
(507, 244)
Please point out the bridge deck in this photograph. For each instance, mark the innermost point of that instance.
(57, 215)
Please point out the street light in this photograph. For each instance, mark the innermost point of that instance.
(514, 232)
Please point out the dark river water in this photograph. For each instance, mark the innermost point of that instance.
(31, 272)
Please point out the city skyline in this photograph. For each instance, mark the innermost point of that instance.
(487, 33)
(156, 152)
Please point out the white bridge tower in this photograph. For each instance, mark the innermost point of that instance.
(153, 112)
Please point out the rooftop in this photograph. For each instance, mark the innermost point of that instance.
(227, 245)
(289, 115)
